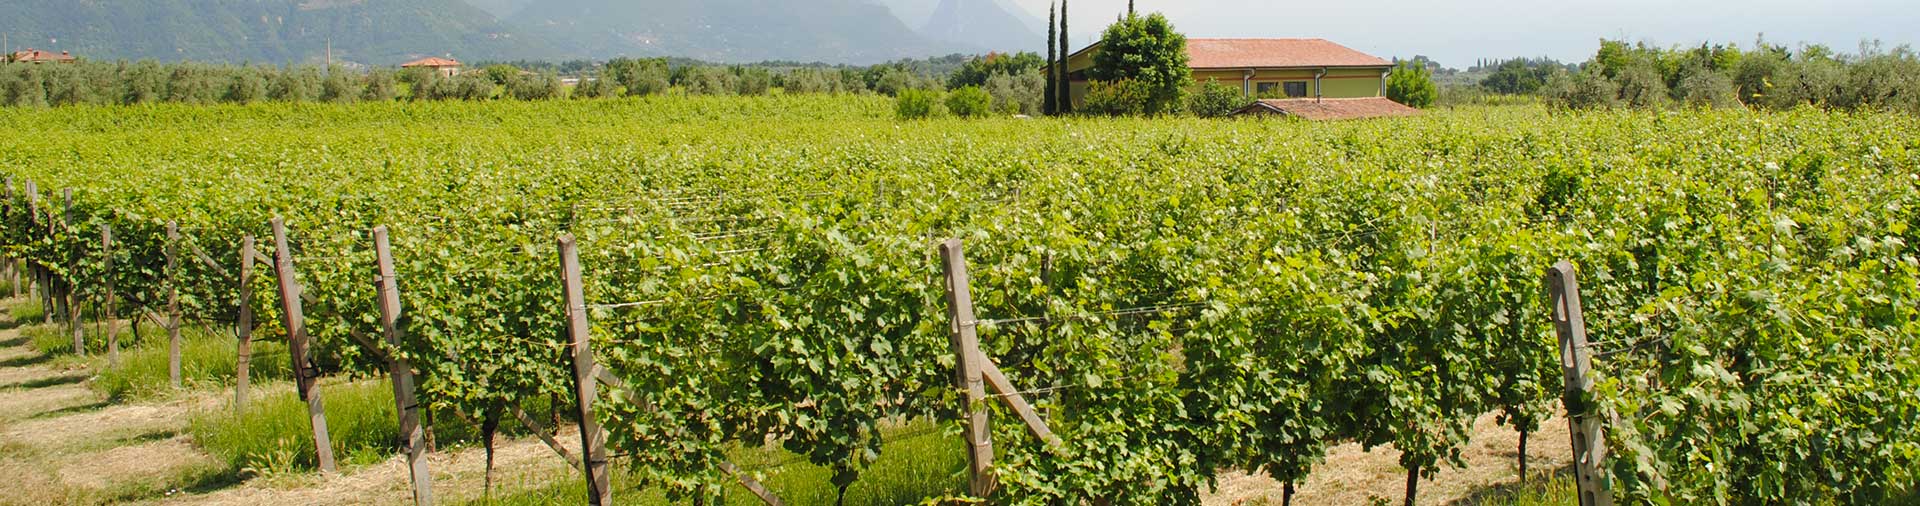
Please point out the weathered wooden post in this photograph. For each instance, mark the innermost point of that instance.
(1576, 361)
(73, 264)
(968, 375)
(243, 326)
(173, 303)
(305, 374)
(413, 440)
(106, 309)
(593, 443)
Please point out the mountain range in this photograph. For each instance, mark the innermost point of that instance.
(384, 32)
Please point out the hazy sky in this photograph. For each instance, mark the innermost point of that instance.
(1458, 32)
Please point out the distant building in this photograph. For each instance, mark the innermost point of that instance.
(1328, 108)
(444, 66)
(32, 55)
(1268, 68)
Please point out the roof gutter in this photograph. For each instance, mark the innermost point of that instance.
(1319, 89)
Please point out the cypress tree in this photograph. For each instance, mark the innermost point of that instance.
(1129, 8)
(1066, 54)
(1052, 98)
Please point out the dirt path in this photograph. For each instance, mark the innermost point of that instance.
(1354, 477)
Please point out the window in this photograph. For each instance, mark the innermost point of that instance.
(1297, 89)
(1266, 88)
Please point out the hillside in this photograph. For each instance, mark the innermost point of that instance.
(838, 31)
(273, 31)
(983, 23)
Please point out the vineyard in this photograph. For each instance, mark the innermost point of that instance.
(1174, 297)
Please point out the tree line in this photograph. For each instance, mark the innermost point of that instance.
(1764, 76)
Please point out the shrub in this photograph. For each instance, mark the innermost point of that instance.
(1216, 100)
(916, 103)
(1017, 93)
(1641, 86)
(595, 88)
(969, 102)
(639, 77)
(340, 86)
(1701, 86)
(1116, 98)
(535, 87)
(380, 86)
(1586, 89)
(1412, 85)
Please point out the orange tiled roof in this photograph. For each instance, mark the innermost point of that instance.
(1265, 53)
(431, 62)
(35, 55)
(1330, 108)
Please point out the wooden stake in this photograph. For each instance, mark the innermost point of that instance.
(592, 441)
(1576, 361)
(173, 303)
(243, 327)
(113, 326)
(306, 375)
(412, 439)
(72, 296)
(980, 483)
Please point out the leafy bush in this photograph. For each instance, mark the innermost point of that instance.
(1412, 85)
(1216, 100)
(1586, 89)
(599, 87)
(969, 102)
(381, 86)
(1116, 98)
(1700, 86)
(341, 86)
(1147, 52)
(916, 104)
(1641, 86)
(535, 87)
(1017, 94)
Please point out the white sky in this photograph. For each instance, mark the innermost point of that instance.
(1458, 32)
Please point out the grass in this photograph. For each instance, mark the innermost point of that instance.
(274, 437)
(208, 359)
(919, 463)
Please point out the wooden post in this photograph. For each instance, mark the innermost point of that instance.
(305, 374)
(243, 327)
(113, 326)
(593, 444)
(173, 303)
(980, 483)
(412, 439)
(72, 296)
(1589, 435)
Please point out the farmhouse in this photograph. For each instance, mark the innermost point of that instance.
(1268, 68)
(446, 67)
(1321, 109)
(32, 55)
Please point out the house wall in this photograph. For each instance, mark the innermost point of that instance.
(1338, 83)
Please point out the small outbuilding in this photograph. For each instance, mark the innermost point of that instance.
(31, 55)
(1328, 108)
(446, 67)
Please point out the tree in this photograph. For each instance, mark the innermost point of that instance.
(1051, 102)
(978, 70)
(1641, 85)
(1701, 86)
(1150, 53)
(1519, 76)
(1412, 85)
(969, 102)
(1586, 89)
(1117, 98)
(1216, 100)
(340, 86)
(916, 103)
(599, 87)
(380, 86)
(295, 84)
(544, 86)
(1018, 94)
(639, 77)
(1063, 95)
(247, 85)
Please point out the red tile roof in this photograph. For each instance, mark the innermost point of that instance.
(431, 62)
(35, 55)
(1270, 53)
(1330, 108)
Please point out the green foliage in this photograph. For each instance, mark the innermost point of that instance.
(272, 436)
(969, 102)
(1641, 86)
(292, 84)
(1412, 85)
(535, 87)
(917, 104)
(1018, 93)
(341, 86)
(1149, 53)
(599, 87)
(1520, 76)
(1216, 100)
(639, 77)
(1117, 98)
(978, 70)
(1748, 279)
(1587, 89)
(501, 74)
(207, 363)
(381, 86)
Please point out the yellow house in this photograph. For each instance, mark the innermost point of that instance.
(1270, 68)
